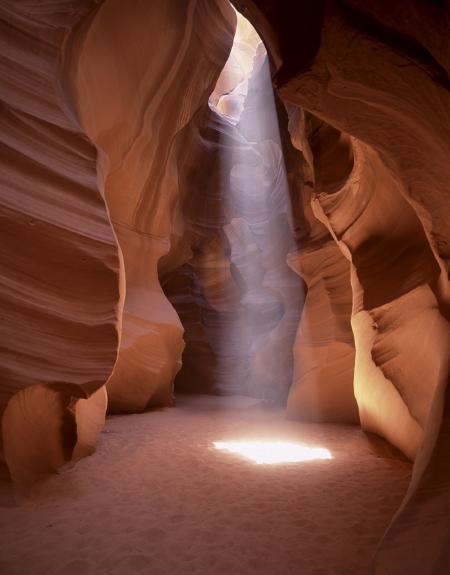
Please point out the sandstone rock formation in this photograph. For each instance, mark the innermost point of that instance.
(59, 290)
(65, 148)
(324, 353)
(134, 158)
(146, 95)
(369, 70)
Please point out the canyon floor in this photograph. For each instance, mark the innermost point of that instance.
(158, 498)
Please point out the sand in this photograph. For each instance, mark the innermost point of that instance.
(158, 498)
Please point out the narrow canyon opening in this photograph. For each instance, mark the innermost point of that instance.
(237, 298)
(225, 280)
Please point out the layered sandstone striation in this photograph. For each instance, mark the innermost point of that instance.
(153, 66)
(381, 187)
(324, 351)
(59, 287)
(128, 160)
(90, 197)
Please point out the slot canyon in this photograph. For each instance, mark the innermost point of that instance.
(224, 293)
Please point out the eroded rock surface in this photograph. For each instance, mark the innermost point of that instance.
(59, 285)
(152, 70)
(116, 172)
(370, 71)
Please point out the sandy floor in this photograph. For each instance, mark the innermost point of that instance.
(157, 498)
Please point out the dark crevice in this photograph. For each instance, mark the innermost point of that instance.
(402, 44)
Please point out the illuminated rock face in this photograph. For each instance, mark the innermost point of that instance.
(381, 187)
(89, 116)
(393, 271)
(112, 177)
(324, 351)
(229, 243)
(146, 94)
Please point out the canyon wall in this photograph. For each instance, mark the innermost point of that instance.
(116, 172)
(152, 66)
(370, 71)
(59, 290)
(93, 101)
(324, 350)
(247, 214)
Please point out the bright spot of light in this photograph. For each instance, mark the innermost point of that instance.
(273, 451)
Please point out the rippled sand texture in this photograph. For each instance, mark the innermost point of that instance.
(158, 498)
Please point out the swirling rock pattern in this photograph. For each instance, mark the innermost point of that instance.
(372, 72)
(324, 351)
(147, 93)
(59, 288)
(63, 145)
(374, 159)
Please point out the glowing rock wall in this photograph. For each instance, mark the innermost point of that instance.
(152, 66)
(324, 350)
(104, 128)
(370, 70)
(93, 98)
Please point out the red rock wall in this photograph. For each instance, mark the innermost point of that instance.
(392, 262)
(90, 104)
(375, 143)
(59, 286)
(153, 65)
(324, 350)
(380, 73)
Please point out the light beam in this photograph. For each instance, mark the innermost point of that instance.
(254, 348)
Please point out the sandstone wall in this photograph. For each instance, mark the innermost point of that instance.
(59, 287)
(324, 350)
(105, 127)
(92, 103)
(152, 66)
(371, 70)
